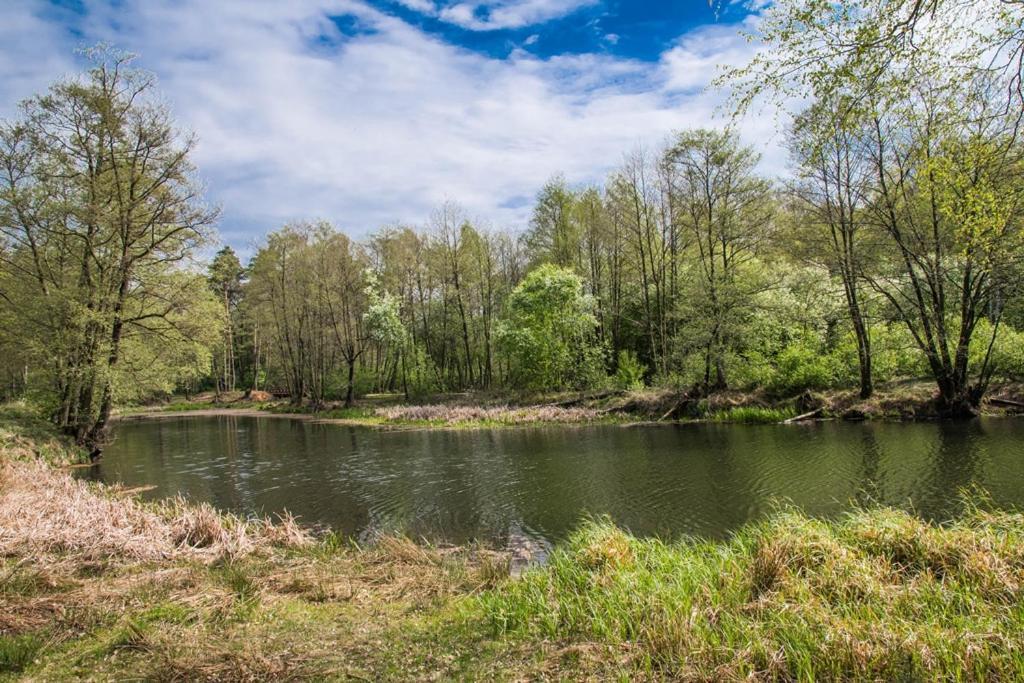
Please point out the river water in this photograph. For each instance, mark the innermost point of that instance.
(493, 485)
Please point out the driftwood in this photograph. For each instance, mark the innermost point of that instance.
(806, 416)
(135, 491)
(585, 397)
(1006, 403)
(683, 400)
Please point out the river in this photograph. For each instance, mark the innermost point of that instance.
(491, 485)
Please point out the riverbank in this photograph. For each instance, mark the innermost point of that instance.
(902, 401)
(95, 584)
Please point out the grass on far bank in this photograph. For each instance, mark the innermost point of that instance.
(911, 399)
(753, 415)
(96, 584)
(455, 416)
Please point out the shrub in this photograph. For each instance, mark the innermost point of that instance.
(802, 366)
(630, 371)
(549, 334)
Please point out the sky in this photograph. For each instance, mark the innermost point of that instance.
(369, 113)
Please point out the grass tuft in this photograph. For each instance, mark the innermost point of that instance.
(753, 415)
(17, 652)
(877, 595)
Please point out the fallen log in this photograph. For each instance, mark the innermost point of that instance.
(135, 491)
(1006, 402)
(806, 416)
(580, 399)
(675, 408)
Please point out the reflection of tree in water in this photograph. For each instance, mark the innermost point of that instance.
(955, 459)
(871, 490)
(235, 499)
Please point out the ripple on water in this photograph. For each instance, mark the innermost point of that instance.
(702, 480)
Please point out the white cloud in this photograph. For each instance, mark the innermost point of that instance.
(491, 15)
(424, 6)
(29, 56)
(297, 120)
(488, 15)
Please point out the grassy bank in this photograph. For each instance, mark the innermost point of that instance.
(909, 400)
(94, 583)
(878, 595)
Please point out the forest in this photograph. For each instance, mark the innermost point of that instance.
(891, 249)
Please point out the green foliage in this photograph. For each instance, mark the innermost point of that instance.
(630, 371)
(802, 366)
(549, 332)
(383, 317)
(1006, 357)
(99, 207)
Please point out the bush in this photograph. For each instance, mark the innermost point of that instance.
(630, 372)
(1007, 358)
(802, 366)
(549, 334)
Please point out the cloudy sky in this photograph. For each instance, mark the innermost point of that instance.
(372, 112)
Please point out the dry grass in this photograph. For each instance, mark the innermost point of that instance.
(45, 512)
(507, 415)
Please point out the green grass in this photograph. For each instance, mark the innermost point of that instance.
(879, 595)
(187, 406)
(753, 415)
(17, 652)
(25, 434)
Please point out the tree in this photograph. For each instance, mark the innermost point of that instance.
(635, 198)
(346, 301)
(727, 209)
(877, 49)
(225, 277)
(833, 181)
(949, 196)
(307, 282)
(99, 207)
(383, 321)
(549, 331)
(554, 233)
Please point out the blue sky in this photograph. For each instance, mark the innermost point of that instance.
(373, 112)
(631, 29)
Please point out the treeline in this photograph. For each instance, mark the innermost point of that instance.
(892, 248)
(687, 269)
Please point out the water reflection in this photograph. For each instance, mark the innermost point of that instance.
(701, 480)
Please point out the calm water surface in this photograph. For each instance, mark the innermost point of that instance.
(702, 480)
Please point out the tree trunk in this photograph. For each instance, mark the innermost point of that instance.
(351, 381)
